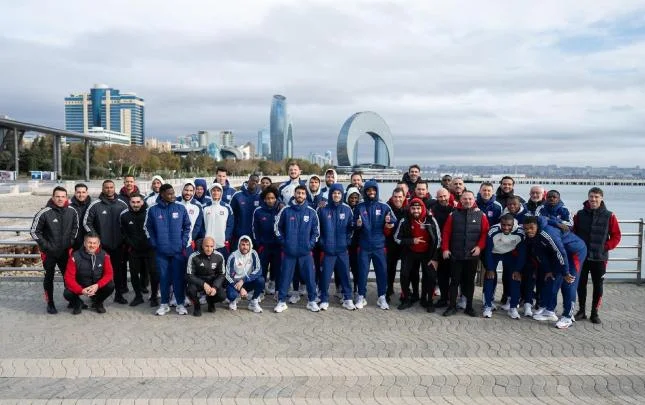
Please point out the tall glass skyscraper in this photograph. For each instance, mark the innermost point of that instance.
(280, 128)
(264, 143)
(107, 108)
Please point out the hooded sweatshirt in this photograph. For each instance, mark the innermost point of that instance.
(243, 204)
(204, 199)
(195, 214)
(314, 198)
(424, 227)
(324, 191)
(372, 213)
(556, 214)
(336, 226)
(240, 266)
(151, 198)
(263, 226)
(218, 220)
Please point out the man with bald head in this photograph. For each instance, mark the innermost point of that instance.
(205, 274)
(537, 197)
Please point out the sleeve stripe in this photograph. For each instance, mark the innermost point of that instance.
(34, 225)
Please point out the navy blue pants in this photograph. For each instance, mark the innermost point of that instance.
(305, 266)
(569, 290)
(378, 259)
(508, 261)
(271, 260)
(171, 270)
(257, 286)
(340, 263)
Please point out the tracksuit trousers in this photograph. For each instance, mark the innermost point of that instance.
(378, 259)
(305, 266)
(171, 270)
(340, 265)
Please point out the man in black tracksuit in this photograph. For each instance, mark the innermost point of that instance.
(419, 236)
(141, 256)
(104, 218)
(54, 229)
(398, 203)
(80, 202)
(205, 273)
(441, 211)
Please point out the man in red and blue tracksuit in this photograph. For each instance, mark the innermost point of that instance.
(560, 256)
(168, 228)
(298, 229)
(372, 219)
(505, 243)
(336, 229)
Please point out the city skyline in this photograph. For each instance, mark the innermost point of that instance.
(474, 82)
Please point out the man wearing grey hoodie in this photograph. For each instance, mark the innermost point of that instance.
(244, 273)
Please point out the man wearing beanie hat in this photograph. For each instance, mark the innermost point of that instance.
(151, 198)
(218, 220)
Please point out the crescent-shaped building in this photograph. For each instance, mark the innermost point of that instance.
(359, 124)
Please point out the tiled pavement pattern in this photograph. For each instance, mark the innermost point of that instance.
(129, 356)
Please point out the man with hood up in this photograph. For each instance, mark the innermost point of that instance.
(298, 229)
(336, 229)
(268, 244)
(243, 203)
(244, 273)
(151, 198)
(103, 217)
(419, 235)
(218, 221)
(201, 192)
(352, 198)
(330, 178)
(372, 219)
(54, 229)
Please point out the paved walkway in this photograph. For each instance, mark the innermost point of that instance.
(371, 356)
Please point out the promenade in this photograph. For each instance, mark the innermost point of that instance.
(129, 356)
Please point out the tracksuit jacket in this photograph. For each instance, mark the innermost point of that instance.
(134, 236)
(104, 217)
(556, 214)
(228, 192)
(519, 216)
(552, 247)
(297, 228)
(409, 228)
(491, 208)
(243, 203)
(218, 222)
(336, 225)
(168, 228)
(204, 199)
(202, 268)
(498, 244)
(286, 190)
(372, 214)
(264, 226)
(196, 216)
(55, 229)
(81, 209)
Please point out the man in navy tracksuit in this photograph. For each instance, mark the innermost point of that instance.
(516, 209)
(221, 177)
(243, 203)
(168, 228)
(336, 228)
(372, 219)
(268, 244)
(505, 243)
(298, 229)
(556, 212)
(487, 204)
(560, 255)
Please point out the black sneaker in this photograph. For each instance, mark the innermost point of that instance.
(119, 299)
(580, 315)
(424, 302)
(144, 290)
(405, 304)
(77, 308)
(594, 318)
(441, 304)
(154, 302)
(450, 311)
(138, 300)
(51, 308)
(197, 311)
(211, 307)
(470, 311)
(100, 308)
(414, 298)
(430, 308)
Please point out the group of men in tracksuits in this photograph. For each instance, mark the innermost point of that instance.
(301, 233)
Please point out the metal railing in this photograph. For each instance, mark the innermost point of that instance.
(632, 240)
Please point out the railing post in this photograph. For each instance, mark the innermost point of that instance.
(639, 277)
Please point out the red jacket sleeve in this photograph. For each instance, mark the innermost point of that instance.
(445, 234)
(70, 277)
(614, 233)
(484, 233)
(107, 272)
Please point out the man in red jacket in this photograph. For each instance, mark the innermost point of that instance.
(88, 273)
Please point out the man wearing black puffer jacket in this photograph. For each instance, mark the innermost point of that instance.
(205, 273)
(88, 273)
(54, 229)
(103, 217)
(141, 256)
(80, 202)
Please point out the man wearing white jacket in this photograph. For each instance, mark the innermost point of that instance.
(244, 272)
(218, 220)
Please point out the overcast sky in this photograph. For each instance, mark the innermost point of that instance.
(458, 82)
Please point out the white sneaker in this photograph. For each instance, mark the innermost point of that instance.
(312, 306)
(271, 288)
(360, 302)
(181, 310)
(173, 301)
(382, 303)
(513, 313)
(163, 309)
(488, 312)
(226, 301)
(295, 297)
(462, 302)
(324, 306)
(349, 305)
(187, 302)
(546, 316)
(506, 307)
(232, 305)
(254, 306)
(538, 311)
(564, 323)
(282, 306)
(528, 309)
(261, 297)
(202, 300)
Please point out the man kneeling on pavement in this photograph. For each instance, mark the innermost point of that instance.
(88, 273)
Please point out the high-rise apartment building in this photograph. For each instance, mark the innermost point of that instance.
(109, 109)
(227, 138)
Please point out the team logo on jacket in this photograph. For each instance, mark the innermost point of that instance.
(256, 203)
(201, 264)
(99, 265)
(341, 215)
(221, 212)
(175, 215)
(305, 218)
(55, 220)
(104, 212)
(160, 216)
(213, 265)
(490, 214)
(191, 212)
(130, 223)
(378, 212)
